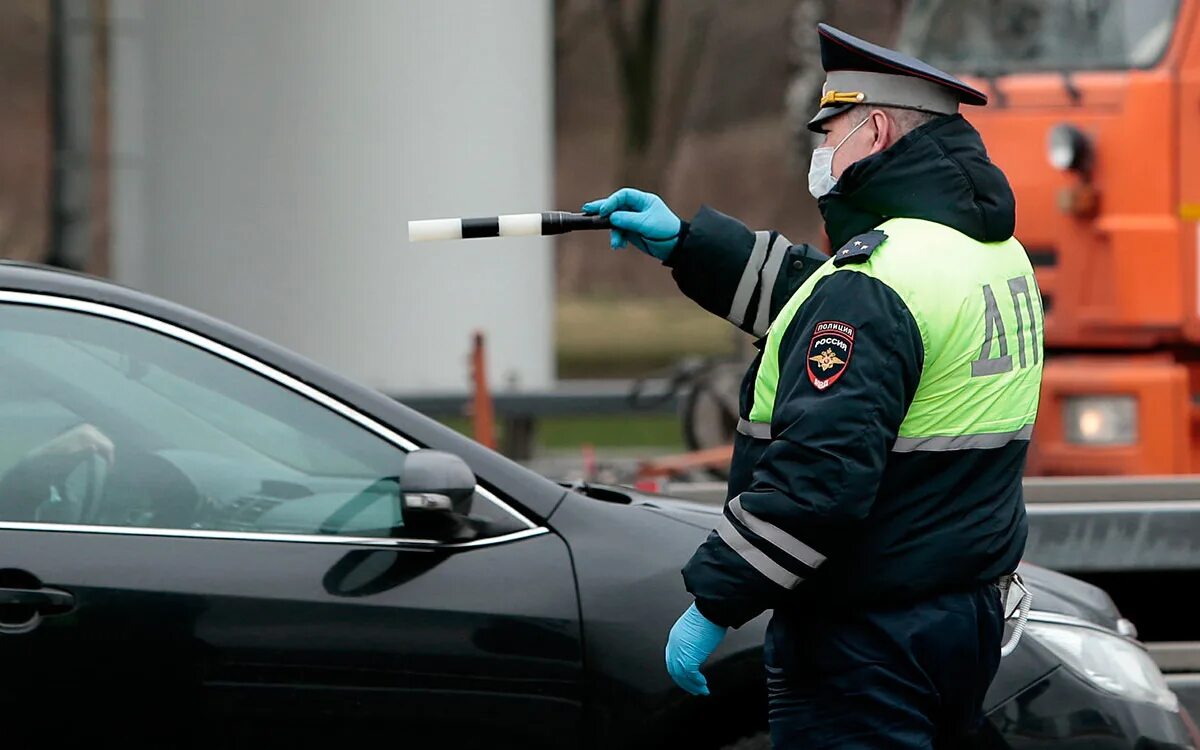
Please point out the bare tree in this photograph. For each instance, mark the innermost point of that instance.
(805, 86)
(654, 96)
(571, 18)
(24, 144)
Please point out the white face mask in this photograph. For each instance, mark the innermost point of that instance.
(820, 170)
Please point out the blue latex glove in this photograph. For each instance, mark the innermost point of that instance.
(640, 218)
(692, 640)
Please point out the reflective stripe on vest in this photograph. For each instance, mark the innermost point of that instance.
(979, 311)
(754, 429)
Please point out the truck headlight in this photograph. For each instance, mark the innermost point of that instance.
(1100, 420)
(1106, 661)
(1068, 148)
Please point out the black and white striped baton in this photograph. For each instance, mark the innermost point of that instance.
(510, 225)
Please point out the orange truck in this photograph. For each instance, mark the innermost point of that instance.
(1095, 118)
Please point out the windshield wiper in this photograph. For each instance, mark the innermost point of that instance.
(1070, 87)
(991, 75)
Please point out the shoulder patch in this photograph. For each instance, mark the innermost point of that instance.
(859, 248)
(829, 352)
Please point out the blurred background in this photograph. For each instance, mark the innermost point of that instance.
(260, 161)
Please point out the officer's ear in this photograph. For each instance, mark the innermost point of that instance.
(886, 131)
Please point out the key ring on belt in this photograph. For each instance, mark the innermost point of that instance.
(1019, 609)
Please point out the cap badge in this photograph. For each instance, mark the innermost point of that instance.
(842, 97)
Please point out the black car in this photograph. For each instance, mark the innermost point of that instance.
(205, 538)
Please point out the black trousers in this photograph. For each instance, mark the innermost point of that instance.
(911, 677)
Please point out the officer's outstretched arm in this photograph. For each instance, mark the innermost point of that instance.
(849, 364)
(743, 276)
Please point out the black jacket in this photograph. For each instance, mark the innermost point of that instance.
(884, 527)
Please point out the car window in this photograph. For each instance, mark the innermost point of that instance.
(108, 423)
(40, 419)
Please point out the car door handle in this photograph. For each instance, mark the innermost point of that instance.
(43, 601)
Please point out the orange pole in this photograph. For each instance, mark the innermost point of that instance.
(483, 413)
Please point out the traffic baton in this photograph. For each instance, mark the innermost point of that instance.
(510, 225)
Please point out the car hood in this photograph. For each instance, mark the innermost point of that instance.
(1053, 592)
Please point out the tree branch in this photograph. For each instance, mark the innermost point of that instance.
(805, 87)
(611, 10)
(570, 16)
(679, 94)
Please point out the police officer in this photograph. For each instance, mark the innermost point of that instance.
(875, 493)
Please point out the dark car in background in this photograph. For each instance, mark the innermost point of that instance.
(205, 538)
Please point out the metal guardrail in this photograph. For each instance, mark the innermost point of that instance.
(1141, 489)
(1177, 656)
(1115, 535)
(1112, 489)
(566, 397)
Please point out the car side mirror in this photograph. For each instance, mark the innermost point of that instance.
(437, 483)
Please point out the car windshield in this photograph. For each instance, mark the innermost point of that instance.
(993, 37)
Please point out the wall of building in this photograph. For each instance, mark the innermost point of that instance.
(268, 155)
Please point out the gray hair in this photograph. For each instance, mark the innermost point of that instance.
(908, 120)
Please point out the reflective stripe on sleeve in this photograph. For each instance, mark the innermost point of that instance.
(757, 560)
(776, 536)
(770, 273)
(745, 287)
